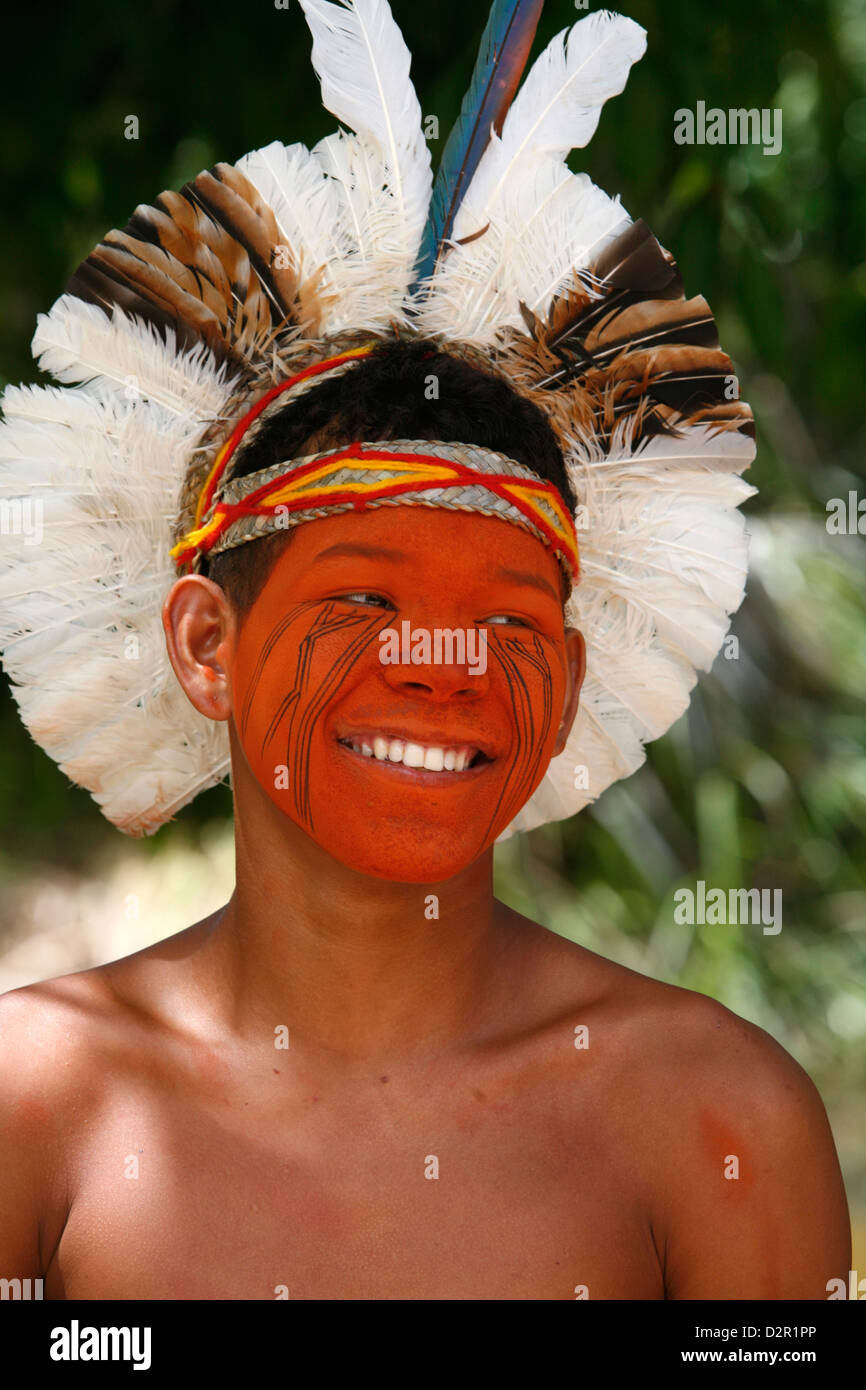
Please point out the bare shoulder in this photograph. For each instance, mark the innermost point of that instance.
(46, 1029)
(58, 1037)
(65, 1045)
(49, 1080)
(56, 1040)
(669, 1037)
(700, 1057)
(724, 1134)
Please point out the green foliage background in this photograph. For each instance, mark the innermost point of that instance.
(763, 783)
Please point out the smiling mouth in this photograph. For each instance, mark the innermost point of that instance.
(451, 758)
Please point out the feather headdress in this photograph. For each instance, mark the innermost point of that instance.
(174, 327)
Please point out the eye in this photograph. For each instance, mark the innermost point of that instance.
(508, 619)
(367, 598)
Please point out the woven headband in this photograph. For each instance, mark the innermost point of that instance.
(360, 476)
(416, 472)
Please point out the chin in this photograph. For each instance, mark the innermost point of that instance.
(429, 857)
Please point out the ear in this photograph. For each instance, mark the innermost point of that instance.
(200, 634)
(576, 656)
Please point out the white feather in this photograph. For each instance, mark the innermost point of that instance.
(569, 228)
(80, 626)
(559, 104)
(363, 66)
(537, 221)
(383, 173)
(309, 212)
(374, 276)
(663, 565)
(76, 342)
(547, 223)
(665, 536)
(303, 202)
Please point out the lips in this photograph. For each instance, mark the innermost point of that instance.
(429, 756)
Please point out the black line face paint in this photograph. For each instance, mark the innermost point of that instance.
(323, 642)
(527, 673)
(311, 691)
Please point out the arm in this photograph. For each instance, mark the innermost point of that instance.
(755, 1206)
(25, 1138)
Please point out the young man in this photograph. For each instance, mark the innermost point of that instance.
(363, 1077)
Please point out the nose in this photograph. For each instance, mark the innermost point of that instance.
(436, 663)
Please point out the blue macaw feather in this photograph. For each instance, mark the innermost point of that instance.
(502, 56)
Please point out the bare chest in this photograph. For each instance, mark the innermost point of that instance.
(454, 1194)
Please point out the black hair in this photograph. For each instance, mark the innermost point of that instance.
(404, 390)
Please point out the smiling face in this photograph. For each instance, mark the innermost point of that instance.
(403, 769)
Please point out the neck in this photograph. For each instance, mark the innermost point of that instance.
(357, 968)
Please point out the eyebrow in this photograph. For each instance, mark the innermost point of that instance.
(377, 552)
(368, 552)
(535, 581)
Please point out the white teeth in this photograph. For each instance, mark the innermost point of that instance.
(413, 755)
(398, 750)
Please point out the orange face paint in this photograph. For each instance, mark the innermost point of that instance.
(720, 1142)
(309, 686)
